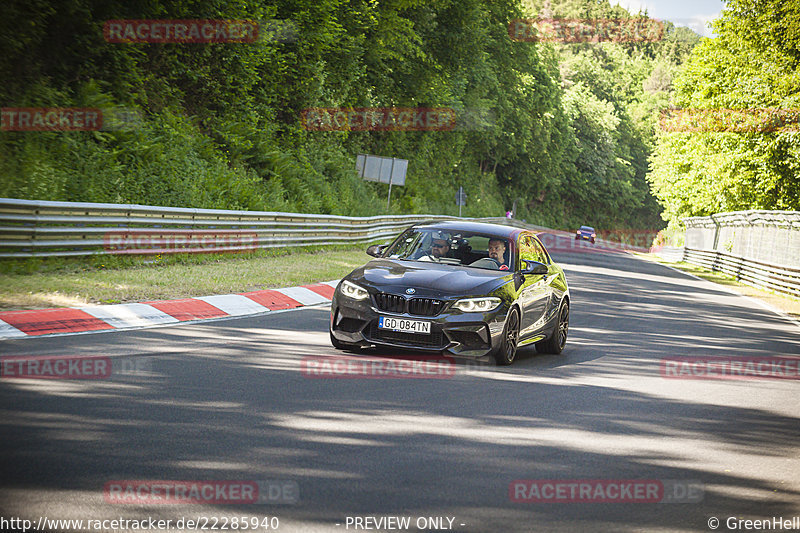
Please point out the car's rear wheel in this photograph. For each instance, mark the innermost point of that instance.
(507, 350)
(339, 345)
(555, 344)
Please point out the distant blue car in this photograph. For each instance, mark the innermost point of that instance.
(585, 233)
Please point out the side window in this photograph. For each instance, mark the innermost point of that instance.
(527, 251)
(539, 251)
(404, 245)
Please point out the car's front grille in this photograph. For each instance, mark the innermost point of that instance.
(391, 303)
(425, 306)
(394, 303)
(432, 340)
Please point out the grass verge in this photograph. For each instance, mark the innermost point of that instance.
(40, 283)
(786, 303)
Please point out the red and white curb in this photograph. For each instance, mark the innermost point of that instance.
(15, 324)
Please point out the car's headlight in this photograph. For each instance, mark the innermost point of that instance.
(477, 305)
(351, 290)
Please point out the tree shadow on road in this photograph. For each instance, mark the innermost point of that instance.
(229, 400)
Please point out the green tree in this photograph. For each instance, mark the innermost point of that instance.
(745, 67)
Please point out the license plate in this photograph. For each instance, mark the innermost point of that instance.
(403, 325)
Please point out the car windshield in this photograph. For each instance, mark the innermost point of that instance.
(460, 248)
(586, 228)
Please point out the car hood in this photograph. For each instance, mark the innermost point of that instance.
(427, 279)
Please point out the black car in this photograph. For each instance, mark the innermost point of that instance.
(585, 233)
(464, 288)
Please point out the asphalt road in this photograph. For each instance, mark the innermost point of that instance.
(227, 400)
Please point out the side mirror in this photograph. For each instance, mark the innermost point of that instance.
(535, 268)
(376, 250)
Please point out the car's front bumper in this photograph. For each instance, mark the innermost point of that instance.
(452, 331)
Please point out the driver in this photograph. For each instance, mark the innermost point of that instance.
(497, 251)
(440, 245)
(439, 248)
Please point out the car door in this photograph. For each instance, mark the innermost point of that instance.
(534, 291)
(548, 291)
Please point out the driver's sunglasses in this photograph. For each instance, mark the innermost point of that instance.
(439, 246)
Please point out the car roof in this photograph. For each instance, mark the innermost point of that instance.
(587, 227)
(496, 230)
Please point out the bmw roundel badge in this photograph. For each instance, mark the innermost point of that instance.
(410, 291)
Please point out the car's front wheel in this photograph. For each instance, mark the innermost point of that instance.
(507, 350)
(555, 344)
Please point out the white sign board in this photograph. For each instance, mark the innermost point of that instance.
(382, 169)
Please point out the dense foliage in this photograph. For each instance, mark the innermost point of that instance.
(572, 125)
(752, 64)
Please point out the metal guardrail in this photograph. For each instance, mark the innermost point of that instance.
(670, 253)
(759, 248)
(755, 273)
(30, 228)
(770, 236)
